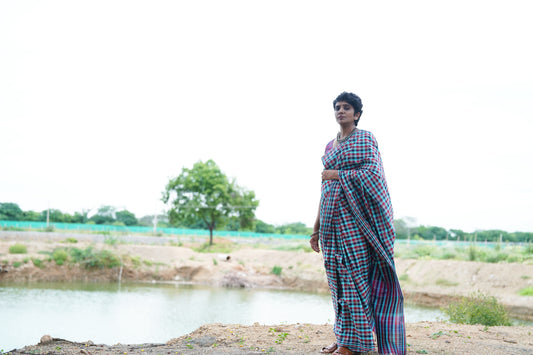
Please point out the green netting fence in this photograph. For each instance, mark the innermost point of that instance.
(139, 230)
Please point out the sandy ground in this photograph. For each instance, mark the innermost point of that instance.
(426, 282)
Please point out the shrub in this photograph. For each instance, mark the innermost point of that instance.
(37, 262)
(60, 256)
(472, 252)
(17, 264)
(496, 257)
(424, 250)
(111, 239)
(90, 258)
(477, 308)
(527, 291)
(18, 249)
(448, 255)
(70, 240)
(276, 270)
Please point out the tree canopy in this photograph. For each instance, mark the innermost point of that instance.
(205, 192)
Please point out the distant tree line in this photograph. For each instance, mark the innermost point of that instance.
(110, 215)
(404, 231)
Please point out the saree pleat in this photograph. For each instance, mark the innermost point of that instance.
(357, 240)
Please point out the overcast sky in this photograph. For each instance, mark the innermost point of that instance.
(101, 102)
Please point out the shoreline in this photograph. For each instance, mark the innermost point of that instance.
(431, 283)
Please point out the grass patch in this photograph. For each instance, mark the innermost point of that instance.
(136, 261)
(276, 270)
(222, 248)
(444, 282)
(18, 249)
(70, 240)
(294, 247)
(403, 277)
(477, 308)
(527, 291)
(17, 264)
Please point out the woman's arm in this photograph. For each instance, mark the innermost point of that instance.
(316, 233)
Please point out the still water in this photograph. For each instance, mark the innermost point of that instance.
(151, 313)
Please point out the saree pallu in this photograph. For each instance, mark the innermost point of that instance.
(357, 241)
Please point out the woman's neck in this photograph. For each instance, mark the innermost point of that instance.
(346, 130)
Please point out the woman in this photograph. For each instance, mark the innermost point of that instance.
(354, 228)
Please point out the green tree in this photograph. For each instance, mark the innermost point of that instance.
(126, 217)
(262, 227)
(206, 193)
(31, 216)
(104, 215)
(294, 228)
(10, 211)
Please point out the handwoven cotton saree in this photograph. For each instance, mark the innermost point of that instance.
(357, 241)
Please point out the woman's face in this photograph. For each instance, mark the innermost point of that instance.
(345, 113)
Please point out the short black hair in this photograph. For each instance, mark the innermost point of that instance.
(352, 99)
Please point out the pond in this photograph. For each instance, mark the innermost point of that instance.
(151, 312)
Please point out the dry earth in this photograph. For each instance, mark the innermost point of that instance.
(427, 282)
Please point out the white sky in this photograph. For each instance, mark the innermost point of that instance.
(101, 102)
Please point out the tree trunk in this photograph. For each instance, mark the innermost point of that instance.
(211, 236)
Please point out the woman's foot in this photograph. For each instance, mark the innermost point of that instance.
(341, 350)
(329, 349)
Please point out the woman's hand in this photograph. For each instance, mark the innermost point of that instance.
(314, 242)
(330, 175)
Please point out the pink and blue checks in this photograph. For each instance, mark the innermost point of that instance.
(357, 240)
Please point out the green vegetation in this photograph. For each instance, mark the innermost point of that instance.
(60, 256)
(18, 249)
(276, 270)
(88, 258)
(222, 248)
(477, 308)
(294, 247)
(403, 277)
(94, 259)
(111, 239)
(527, 291)
(205, 194)
(17, 264)
(471, 252)
(444, 282)
(37, 262)
(70, 240)
(136, 261)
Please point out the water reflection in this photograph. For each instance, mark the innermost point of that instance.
(150, 313)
